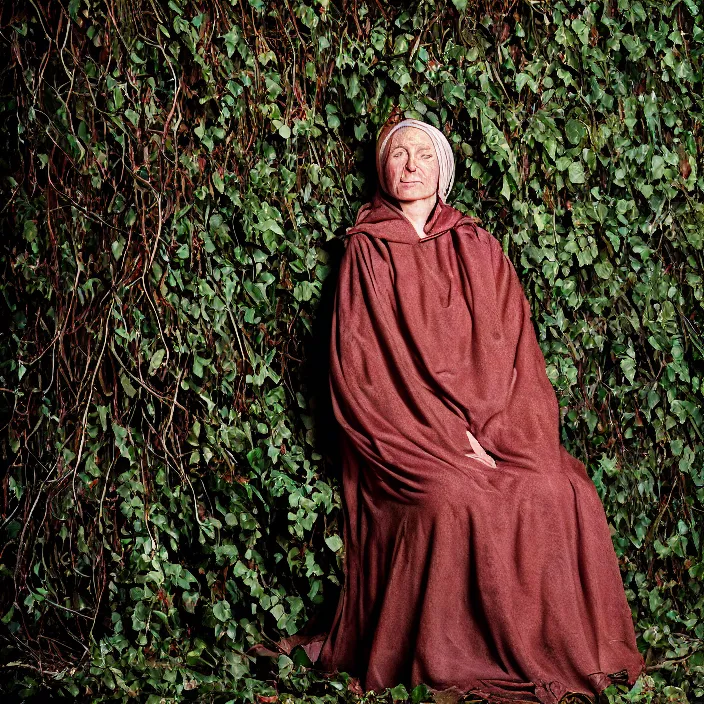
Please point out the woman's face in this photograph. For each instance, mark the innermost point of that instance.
(412, 169)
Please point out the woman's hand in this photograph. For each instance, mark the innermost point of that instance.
(478, 452)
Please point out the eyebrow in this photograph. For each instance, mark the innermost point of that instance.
(423, 148)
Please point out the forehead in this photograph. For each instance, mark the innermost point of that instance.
(410, 136)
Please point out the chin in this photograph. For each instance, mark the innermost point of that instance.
(410, 194)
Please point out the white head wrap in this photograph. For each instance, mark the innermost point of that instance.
(443, 151)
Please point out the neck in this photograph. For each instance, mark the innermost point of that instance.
(418, 211)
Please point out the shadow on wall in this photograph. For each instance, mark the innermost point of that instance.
(316, 369)
(316, 366)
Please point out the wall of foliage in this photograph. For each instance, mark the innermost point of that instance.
(177, 177)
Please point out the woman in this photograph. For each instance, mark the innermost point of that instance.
(477, 551)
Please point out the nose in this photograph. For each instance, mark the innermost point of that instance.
(411, 163)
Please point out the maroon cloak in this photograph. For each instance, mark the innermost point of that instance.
(500, 580)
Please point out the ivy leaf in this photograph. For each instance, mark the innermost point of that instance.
(399, 693)
(132, 116)
(117, 246)
(603, 269)
(334, 542)
(120, 434)
(221, 610)
(575, 131)
(628, 365)
(576, 172)
(156, 360)
(127, 385)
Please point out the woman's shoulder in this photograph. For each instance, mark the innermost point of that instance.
(488, 244)
(471, 226)
(356, 238)
(488, 239)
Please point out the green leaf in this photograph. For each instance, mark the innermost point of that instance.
(221, 610)
(603, 269)
(420, 693)
(132, 116)
(399, 693)
(576, 172)
(120, 434)
(334, 542)
(575, 131)
(117, 247)
(127, 385)
(156, 360)
(628, 365)
(505, 188)
(8, 616)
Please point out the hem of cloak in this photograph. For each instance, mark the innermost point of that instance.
(553, 692)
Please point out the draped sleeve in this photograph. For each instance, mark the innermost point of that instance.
(520, 424)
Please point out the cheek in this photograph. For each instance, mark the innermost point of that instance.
(430, 175)
(392, 171)
(431, 168)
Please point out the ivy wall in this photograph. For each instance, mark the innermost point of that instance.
(177, 177)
